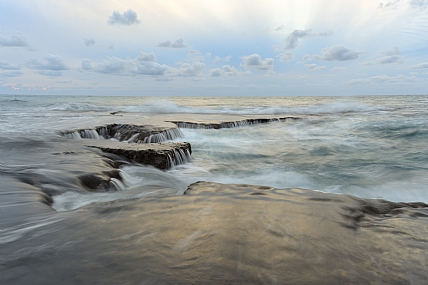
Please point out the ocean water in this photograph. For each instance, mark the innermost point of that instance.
(368, 147)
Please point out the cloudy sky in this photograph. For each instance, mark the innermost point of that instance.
(239, 47)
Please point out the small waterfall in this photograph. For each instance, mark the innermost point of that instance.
(72, 135)
(89, 134)
(178, 156)
(228, 125)
(116, 184)
(126, 133)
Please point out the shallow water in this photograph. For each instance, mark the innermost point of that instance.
(369, 147)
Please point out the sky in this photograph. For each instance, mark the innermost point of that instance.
(214, 48)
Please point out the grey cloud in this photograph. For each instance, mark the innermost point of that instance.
(292, 40)
(16, 40)
(394, 51)
(390, 59)
(280, 28)
(89, 42)
(144, 56)
(53, 65)
(7, 66)
(86, 64)
(391, 56)
(419, 3)
(389, 5)
(255, 61)
(420, 65)
(314, 67)
(226, 70)
(381, 78)
(128, 18)
(285, 57)
(14, 73)
(326, 34)
(338, 53)
(367, 63)
(175, 45)
(187, 69)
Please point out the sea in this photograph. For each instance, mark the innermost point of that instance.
(360, 146)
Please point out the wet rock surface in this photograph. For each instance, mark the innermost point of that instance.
(160, 155)
(229, 124)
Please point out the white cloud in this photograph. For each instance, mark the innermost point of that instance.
(339, 68)
(307, 57)
(420, 65)
(174, 45)
(53, 65)
(16, 40)
(338, 53)
(89, 42)
(314, 67)
(143, 64)
(286, 57)
(127, 18)
(226, 70)
(255, 61)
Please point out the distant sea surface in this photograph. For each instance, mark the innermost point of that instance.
(369, 147)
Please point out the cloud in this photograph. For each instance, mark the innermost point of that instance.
(16, 40)
(420, 65)
(53, 65)
(143, 64)
(226, 58)
(418, 3)
(187, 69)
(226, 70)
(339, 68)
(389, 5)
(255, 61)
(381, 79)
(307, 57)
(89, 42)
(286, 57)
(14, 73)
(391, 56)
(367, 63)
(326, 34)
(7, 66)
(314, 67)
(174, 45)
(144, 56)
(128, 18)
(292, 40)
(390, 59)
(279, 28)
(338, 53)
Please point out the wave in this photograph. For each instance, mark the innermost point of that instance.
(75, 107)
(169, 107)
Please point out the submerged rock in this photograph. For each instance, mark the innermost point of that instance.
(229, 124)
(160, 155)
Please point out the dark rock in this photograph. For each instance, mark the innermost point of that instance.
(159, 155)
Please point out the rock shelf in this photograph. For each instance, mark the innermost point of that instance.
(160, 155)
